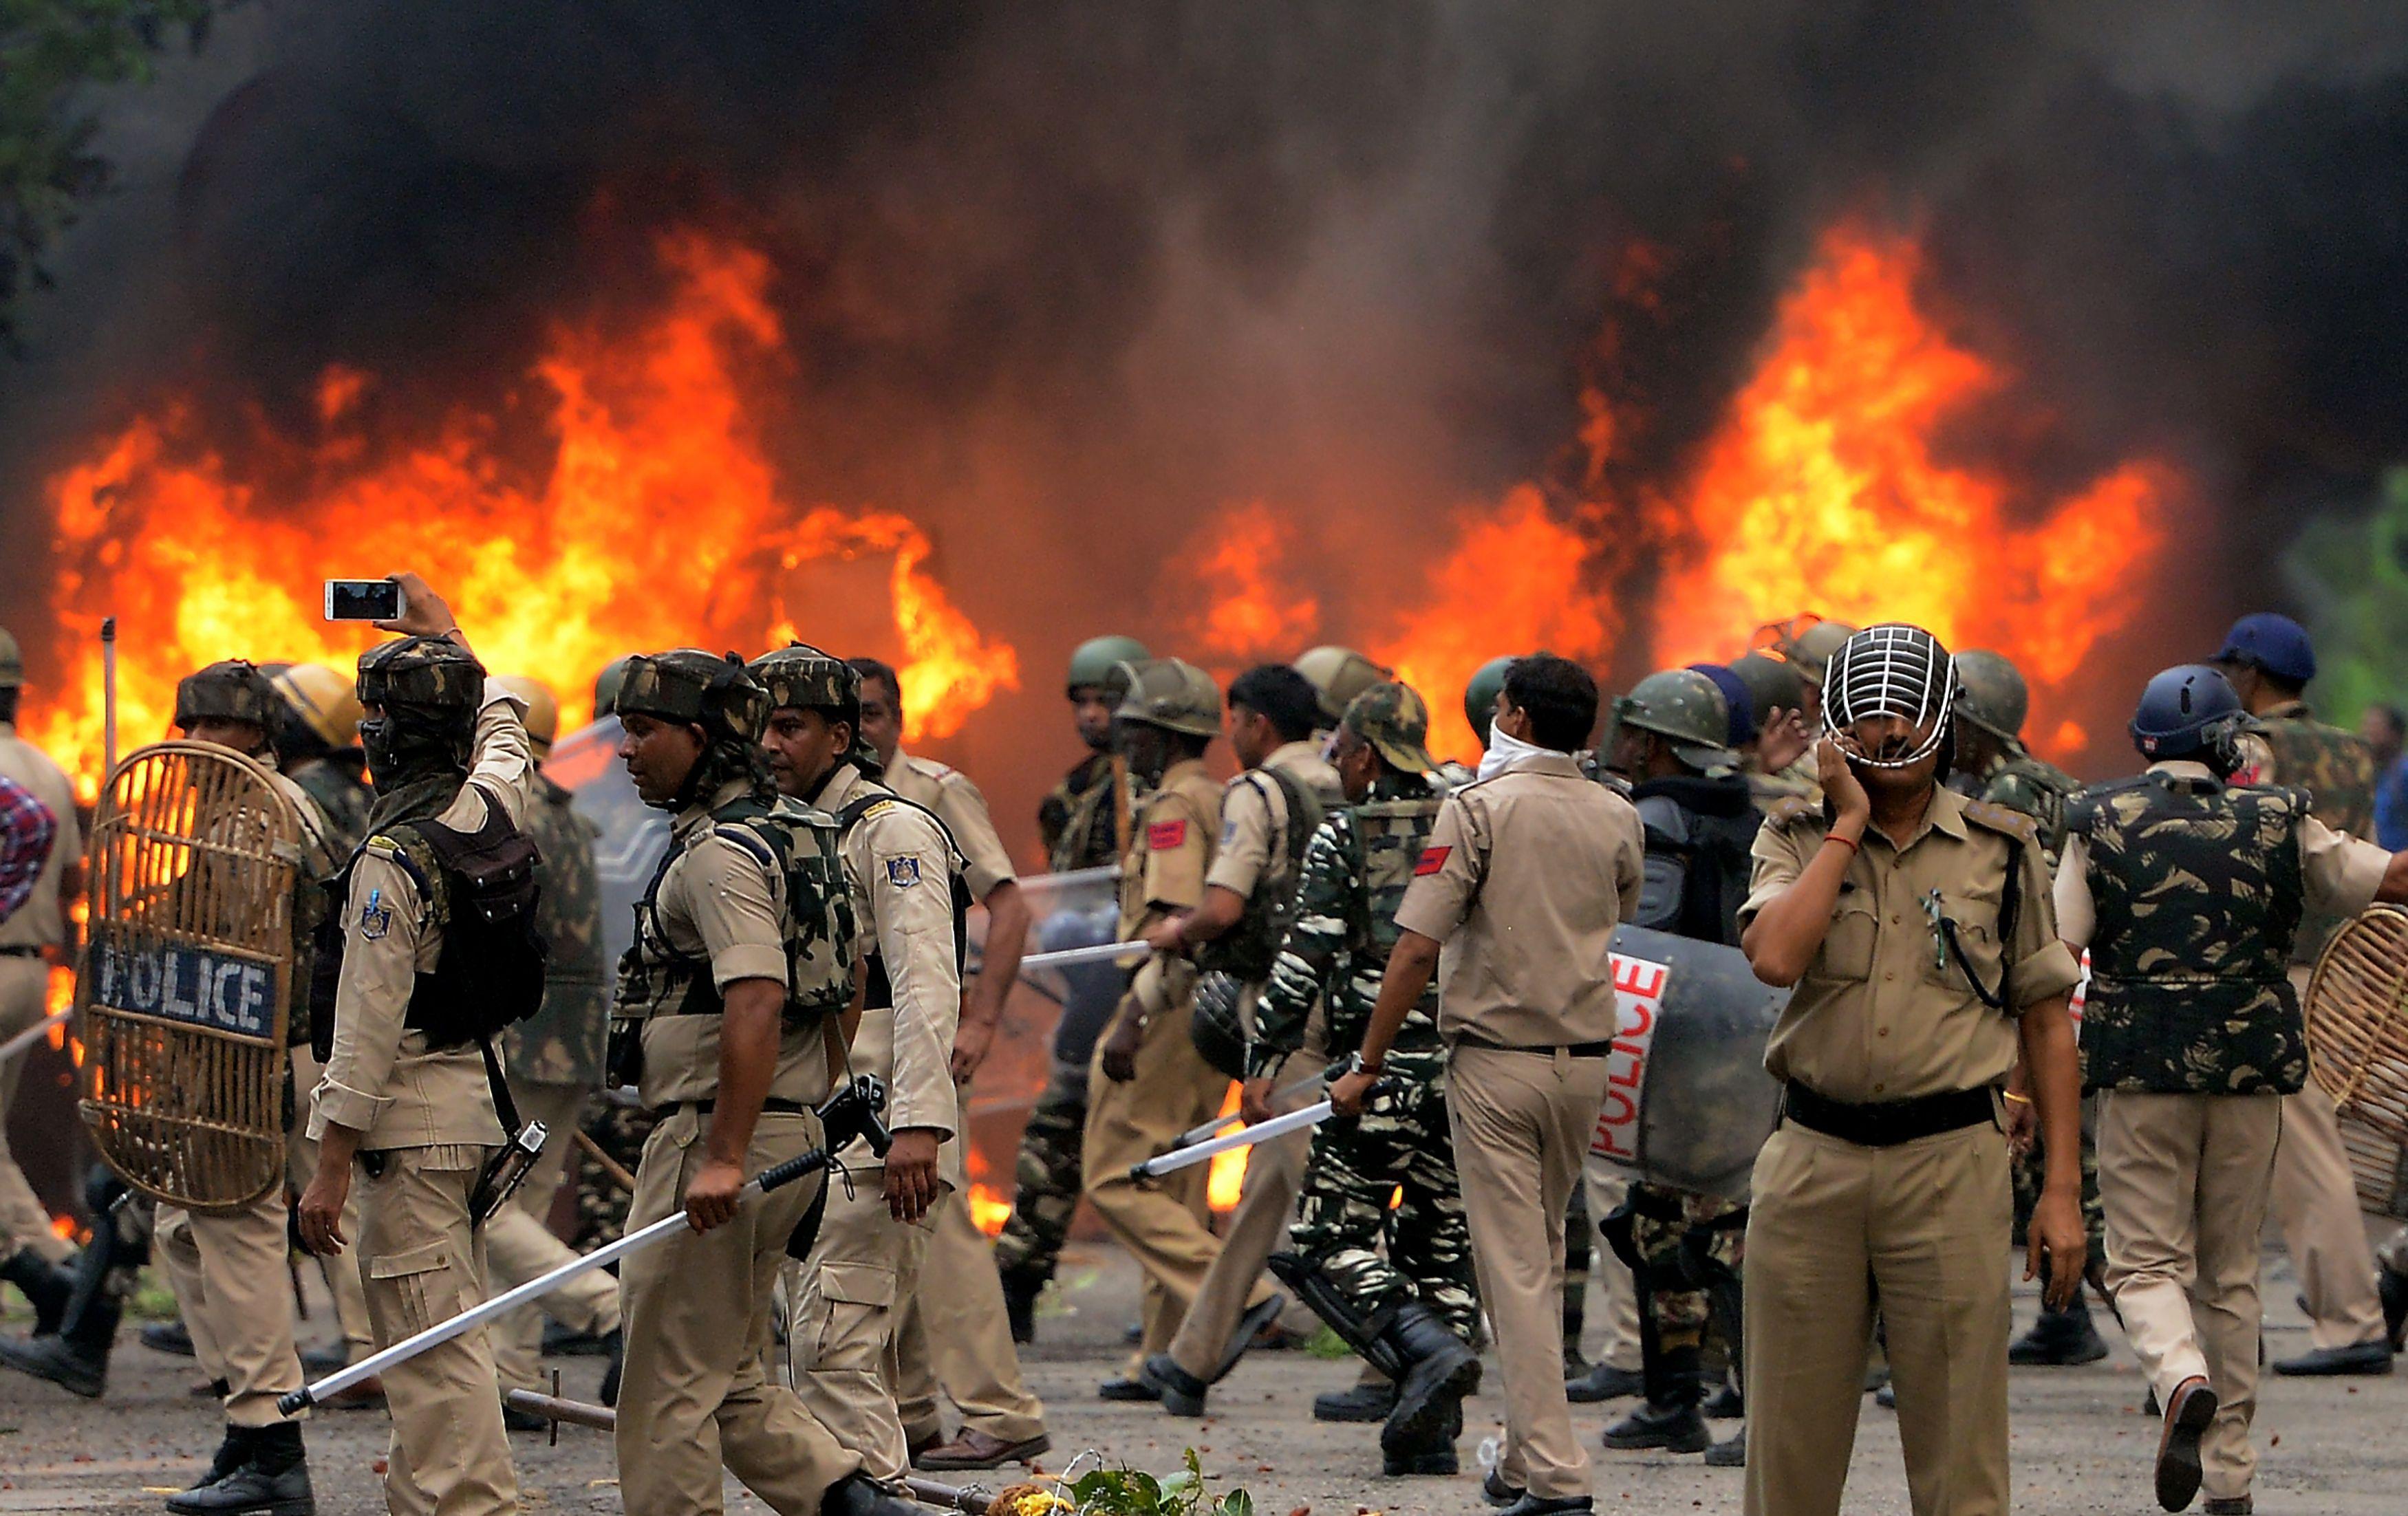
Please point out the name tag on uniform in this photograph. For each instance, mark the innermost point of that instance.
(1163, 835)
(1431, 860)
(902, 873)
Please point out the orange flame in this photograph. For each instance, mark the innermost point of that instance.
(1251, 608)
(657, 521)
(1226, 1180)
(1821, 492)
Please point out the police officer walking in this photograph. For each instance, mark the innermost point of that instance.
(2190, 891)
(1917, 929)
(1524, 878)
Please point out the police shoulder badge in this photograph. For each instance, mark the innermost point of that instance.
(902, 873)
(376, 917)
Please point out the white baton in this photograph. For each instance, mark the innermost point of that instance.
(1244, 1136)
(1102, 952)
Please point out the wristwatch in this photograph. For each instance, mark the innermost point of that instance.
(1354, 1064)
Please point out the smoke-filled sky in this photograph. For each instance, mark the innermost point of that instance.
(1064, 279)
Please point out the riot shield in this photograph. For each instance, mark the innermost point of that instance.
(2357, 1014)
(184, 985)
(1687, 1102)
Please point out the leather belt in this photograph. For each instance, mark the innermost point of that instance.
(1576, 1050)
(1888, 1123)
(23, 950)
(774, 1105)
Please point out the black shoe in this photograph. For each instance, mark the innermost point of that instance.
(1539, 1505)
(1604, 1382)
(1731, 1454)
(47, 1287)
(2189, 1415)
(1181, 1393)
(1252, 1325)
(168, 1338)
(2358, 1358)
(319, 1361)
(1726, 1404)
(1429, 1461)
(2393, 1286)
(1133, 1334)
(559, 1342)
(1675, 1427)
(1494, 1490)
(1362, 1403)
(230, 1456)
(273, 1479)
(64, 1364)
(1439, 1370)
(515, 1420)
(1123, 1388)
(858, 1495)
(615, 1344)
(1020, 1293)
(2059, 1340)
(2230, 1504)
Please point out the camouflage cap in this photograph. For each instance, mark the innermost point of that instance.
(1393, 718)
(1990, 693)
(1170, 693)
(429, 673)
(12, 662)
(1338, 675)
(1095, 660)
(1480, 695)
(324, 701)
(542, 712)
(232, 691)
(803, 677)
(1687, 709)
(690, 687)
(1771, 685)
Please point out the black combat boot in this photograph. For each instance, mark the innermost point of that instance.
(2392, 1285)
(229, 1457)
(75, 1357)
(1436, 1456)
(1439, 1370)
(1020, 1293)
(173, 1337)
(858, 1495)
(47, 1287)
(2060, 1338)
(1369, 1401)
(273, 1478)
(1670, 1419)
(615, 1343)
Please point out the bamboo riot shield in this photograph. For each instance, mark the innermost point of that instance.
(185, 982)
(2358, 1046)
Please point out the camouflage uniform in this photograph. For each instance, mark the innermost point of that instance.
(1692, 1247)
(341, 793)
(2336, 769)
(1356, 870)
(1080, 820)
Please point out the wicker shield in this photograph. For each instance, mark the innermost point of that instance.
(187, 968)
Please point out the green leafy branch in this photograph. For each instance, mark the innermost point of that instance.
(1130, 1492)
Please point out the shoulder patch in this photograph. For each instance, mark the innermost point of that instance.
(1162, 836)
(902, 873)
(2013, 823)
(1431, 860)
(376, 917)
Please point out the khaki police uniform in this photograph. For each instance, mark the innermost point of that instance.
(1525, 878)
(1255, 842)
(1165, 1223)
(954, 1333)
(2185, 1181)
(898, 864)
(340, 1271)
(696, 1394)
(428, 1125)
(25, 981)
(1922, 1223)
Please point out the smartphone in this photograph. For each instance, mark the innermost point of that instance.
(363, 600)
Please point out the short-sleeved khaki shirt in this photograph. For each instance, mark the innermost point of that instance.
(1255, 819)
(1879, 1015)
(959, 804)
(1170, 846)
(1523, 882)
(41, 921)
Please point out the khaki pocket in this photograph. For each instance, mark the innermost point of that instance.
(1847, 946)
(422, 1284)
(855, 1301)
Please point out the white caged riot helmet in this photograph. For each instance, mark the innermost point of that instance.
(1891, 669)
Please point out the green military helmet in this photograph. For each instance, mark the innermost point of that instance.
(427, 674)
(234, 690)
(1480, 695)
(1393, 718)
(1771, 685)
(605, 684)
(12, 662)
(1990, 693)
(1095, 660)
(1171, 693)
(1683, 706)
(803, 677)
(1338, 675)
(690, 687)
(1809, 649)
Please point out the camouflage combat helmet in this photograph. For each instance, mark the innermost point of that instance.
(1170, 693)
(803, 677)
(1338, 675)
(1808, 642)
(1686, 708)
(1480, 695)
(690, 687)
(1096, 661)
(12, 662)
(1771, 685)
(1394, 720)
(232, 691)
(322, 700)
(429, 674)
(1990, 693)
(542, 712)
(605, 684)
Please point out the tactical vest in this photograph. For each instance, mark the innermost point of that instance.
(878, 988)
(1390, 837)
(2050, 786)
(312, 905)
(801, 846)
(1247, 950)
(1716, 864)
(2199, 894)
(2335, 771)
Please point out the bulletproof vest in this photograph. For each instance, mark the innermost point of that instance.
(312, 907)
(878, 989)
(1390, 837)
(799, 844)
(2336, 771)
(2038, 791)
(1717, 863)
(562, 1043)
(1081, 819)
(2199, 894)
(1247, 950)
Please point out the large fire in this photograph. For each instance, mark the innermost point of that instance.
(658, 521)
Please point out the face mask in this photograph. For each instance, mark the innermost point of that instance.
(1506, 750)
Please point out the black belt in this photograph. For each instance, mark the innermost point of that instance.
(1577, 1050)
(774, 1105)
(21, 952)
(1888, 1123)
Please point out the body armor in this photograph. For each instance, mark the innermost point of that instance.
(1247, 950)
(1390, 837)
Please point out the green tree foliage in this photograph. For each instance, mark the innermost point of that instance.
(50, 51)
(2350, 577)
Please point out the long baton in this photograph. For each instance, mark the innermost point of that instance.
(442, 1331)
(34, 1034)
(108, 694)
(1197, 1133)
(1244, 1136)
(1102, 952)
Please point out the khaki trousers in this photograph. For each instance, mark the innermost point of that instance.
(1522, 1122)
(956, 1336)
(2315, 1202)
(2183, 1178)
(229, 1275)
(696, 1395)
(1164, 1223)
(1921, 1227)
(341, 1271)
(24, 996)
(423, 1264)
(841, 1345)
(518, 1246)
(1610, 1277)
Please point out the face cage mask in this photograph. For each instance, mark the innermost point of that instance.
(1893, 670)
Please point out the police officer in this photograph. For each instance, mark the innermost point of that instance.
(743, 962)
(1420, 1302)
(317, 740)
(1777, 696)
(418, 1121)
(1083, 823)
(1526, 875)
(1698, 825)
(2189, 891)
(2269, 660)
(1917, 930)
(554, 1058)
(1147, 1082)
(955, 1333)
(900, 866)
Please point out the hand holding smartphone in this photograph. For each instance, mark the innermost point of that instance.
(365, 600)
